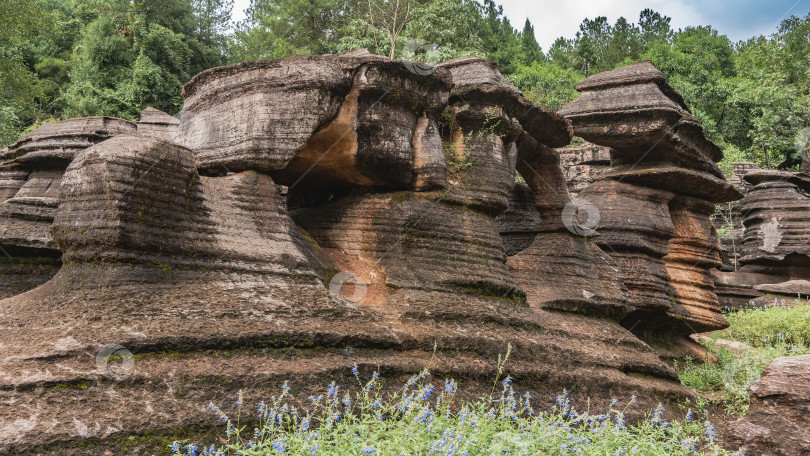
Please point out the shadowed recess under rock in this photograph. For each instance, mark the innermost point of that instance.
(184, 254)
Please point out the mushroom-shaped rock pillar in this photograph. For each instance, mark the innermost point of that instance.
(656, 200)
(187, 255)
(543, 254)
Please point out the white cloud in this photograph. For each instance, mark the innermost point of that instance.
(239, 7)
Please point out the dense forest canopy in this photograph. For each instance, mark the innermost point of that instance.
(68, 58)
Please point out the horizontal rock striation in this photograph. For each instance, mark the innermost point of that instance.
(157, 124)
(774, 247)
(583, 164)
(352, 119)
(30, 178)
(775, 215)
(408, 247)
(556, 269)
(656, 199)
(692, 252)
(56, 144)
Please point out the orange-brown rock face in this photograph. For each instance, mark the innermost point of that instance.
(692, 252)
(403, 243)
(656, 200)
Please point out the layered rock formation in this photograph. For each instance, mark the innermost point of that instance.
(656, 200)
(775, 246)
(30, 177)
(778, 421)
(184, 257)
(728, 219)
(733, 293)
(157, 124)
(583, 164)
(557, 269)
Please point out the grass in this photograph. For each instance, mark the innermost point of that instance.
(770, 333)
(422, 419)
(770, 327)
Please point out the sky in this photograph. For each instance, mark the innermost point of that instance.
(738, 19)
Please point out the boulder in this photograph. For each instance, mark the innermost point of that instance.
(792, 288)
(778, 420)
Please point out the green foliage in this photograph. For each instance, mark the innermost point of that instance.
(547, 84)
(66, 58)
(19, 19)
(421, 418)
(773, 93)
(442, 30)
(530, 49)
(283, 28)
(698, 62)
(767, 328)
(771, 333)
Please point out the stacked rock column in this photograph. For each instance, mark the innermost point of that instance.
(656, 201)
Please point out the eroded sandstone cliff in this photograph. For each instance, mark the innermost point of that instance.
(313, 213)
